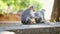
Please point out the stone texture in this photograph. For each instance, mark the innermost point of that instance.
(54, 30)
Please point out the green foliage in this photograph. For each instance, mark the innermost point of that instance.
(20, 4)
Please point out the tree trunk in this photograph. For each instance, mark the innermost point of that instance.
(55, 14)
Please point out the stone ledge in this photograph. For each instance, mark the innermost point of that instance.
(55, 30)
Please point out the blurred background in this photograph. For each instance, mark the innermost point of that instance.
(9, 8)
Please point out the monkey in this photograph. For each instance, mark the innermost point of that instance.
(39, 16)
(28, 15)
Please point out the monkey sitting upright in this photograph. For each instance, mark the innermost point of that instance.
(28, 16)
